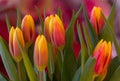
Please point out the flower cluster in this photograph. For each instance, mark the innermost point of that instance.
(94, 59)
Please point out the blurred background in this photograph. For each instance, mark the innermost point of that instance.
(8, 7)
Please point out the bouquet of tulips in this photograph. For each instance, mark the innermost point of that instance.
(51, 58)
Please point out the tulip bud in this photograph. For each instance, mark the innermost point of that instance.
(28, 29)
(13, 43)
(55, 31)
(102, 53)
(96, 19)
(46, 27)
(41, 53)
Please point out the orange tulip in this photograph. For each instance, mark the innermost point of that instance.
(55, 31)
(41, 53)
(13, 43)
(28, 29)
(46, 27)
(102, 53)
(96, 19)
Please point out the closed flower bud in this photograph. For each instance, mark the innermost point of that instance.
(55, 31)
(41, 53)
(102, 53)
(96, 19)
(28, 29)
(47, 27)
(13, 43)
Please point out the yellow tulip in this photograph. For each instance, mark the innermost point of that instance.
(13, 43)
(41, 53)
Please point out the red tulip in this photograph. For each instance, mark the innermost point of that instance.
(41, 53)
(102, 53)
(55, 31)
(96, 19)
(13, 43)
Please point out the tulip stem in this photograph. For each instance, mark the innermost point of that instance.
(61, 52)
(42, 75)
(19, 72)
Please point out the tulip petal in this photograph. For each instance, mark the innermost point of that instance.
(11, 40)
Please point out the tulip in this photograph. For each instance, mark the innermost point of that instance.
(46, 27)
(102, 53)
(41, 53)
(96, 19)
(13, 43)
(55, 31)
(28, 29)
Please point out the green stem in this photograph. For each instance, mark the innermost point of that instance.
(19, 72)
(61, 52)
(42, 75)
(82, 62)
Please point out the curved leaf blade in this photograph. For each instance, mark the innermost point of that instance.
(27, 63)
(8, 61)
(116, 75)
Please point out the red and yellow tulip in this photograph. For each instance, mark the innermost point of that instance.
(28, 29)
(13, 43)
(47, 27)
(54, 31)
(102, 53)
(41, 53)
(96, 19)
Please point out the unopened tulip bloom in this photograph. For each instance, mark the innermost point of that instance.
(96, 19)
(41, 53)
(102, 53)
(28, 29)
(46, 27)
(14, 45)
(55, 31)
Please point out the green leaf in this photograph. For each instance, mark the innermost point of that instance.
(50, 62)
(111, 69)
(93, 35)
(2, 78)
(79, 60)
(111, 35)
(112, 15)
(30, 53)
(58, 66)
(77, 75)
(88, 72)
(70, 29)
(70, 33)
(116, 75)
(105, 34)
(27, 63)
(18, 18)
(40, 18)
(88, 40)
(59, 12)
(23, 71)
(84, 53)
(69, 63)
(8, 61)
(8, 23)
